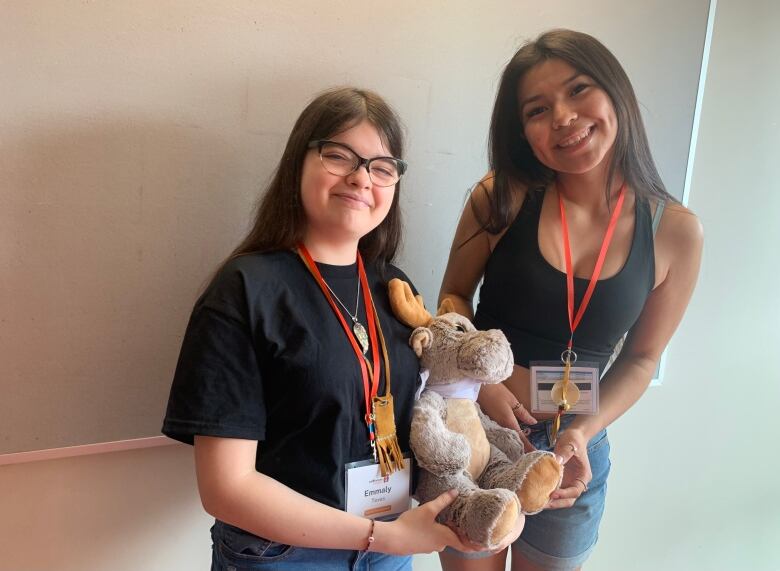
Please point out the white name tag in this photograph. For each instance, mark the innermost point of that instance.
(369, 494)
(544, 375)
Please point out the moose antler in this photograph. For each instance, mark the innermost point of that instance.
(407, 307)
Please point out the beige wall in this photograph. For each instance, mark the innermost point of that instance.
(123, 511)
(695, 462)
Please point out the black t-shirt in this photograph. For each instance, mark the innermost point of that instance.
(265, 358)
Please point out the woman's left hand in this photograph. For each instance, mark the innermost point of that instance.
(572, 450)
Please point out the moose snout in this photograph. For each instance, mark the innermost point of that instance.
(486, 356)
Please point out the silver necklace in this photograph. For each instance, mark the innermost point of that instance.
(357, 328)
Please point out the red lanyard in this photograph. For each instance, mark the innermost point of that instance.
(370, 385)
(574, 321)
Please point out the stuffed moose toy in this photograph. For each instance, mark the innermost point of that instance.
(455, 444)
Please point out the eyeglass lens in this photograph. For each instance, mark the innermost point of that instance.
(341, 161)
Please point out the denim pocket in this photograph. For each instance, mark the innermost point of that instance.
(238, 548)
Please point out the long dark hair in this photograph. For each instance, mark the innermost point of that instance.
(280, 220)
(510, 155)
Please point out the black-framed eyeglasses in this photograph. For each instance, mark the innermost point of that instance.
(341, 160)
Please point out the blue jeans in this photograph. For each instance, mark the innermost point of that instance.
(563, 539)
(234, 549)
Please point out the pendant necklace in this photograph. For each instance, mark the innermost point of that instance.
(357, 328)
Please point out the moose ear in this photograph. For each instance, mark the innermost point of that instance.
(421, 339)
(446, 307)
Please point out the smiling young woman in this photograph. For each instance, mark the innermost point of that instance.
(280, 364)
(568, 119)
(580, 246)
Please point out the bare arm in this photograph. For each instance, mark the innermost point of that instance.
(680, 240)
(470, 250)
(234, 492)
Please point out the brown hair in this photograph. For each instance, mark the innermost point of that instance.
(510, 155)
(280, 219)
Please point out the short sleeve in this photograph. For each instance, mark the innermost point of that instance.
(217, 389)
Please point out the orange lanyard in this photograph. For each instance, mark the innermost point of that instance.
(370, 382)
(574, 320)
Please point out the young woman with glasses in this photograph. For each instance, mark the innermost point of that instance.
(567, 232)
(292, 354)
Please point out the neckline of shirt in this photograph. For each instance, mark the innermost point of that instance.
(338, 272)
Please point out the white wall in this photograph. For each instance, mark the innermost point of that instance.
(694, 463)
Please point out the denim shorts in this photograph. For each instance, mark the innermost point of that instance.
(563, 539)
(234, 549)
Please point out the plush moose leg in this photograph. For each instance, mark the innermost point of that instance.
(535, 476)
(484, 516)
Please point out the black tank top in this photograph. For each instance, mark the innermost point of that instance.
(525, 297)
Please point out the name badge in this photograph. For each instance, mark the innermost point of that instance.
(546, 378)
(369, 494)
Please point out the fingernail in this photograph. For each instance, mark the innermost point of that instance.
(454, 492)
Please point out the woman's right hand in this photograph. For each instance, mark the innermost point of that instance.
(417, 531)
(502, 406)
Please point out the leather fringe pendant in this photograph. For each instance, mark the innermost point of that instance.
(387, 448)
